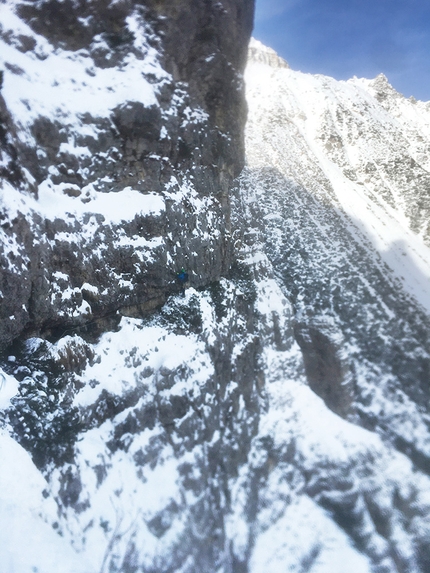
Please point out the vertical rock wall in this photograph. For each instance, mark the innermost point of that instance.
(126, 98)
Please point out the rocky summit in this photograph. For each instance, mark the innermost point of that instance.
(214, 313)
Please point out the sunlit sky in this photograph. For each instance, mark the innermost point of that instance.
(346, 38)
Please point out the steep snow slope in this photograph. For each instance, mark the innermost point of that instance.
(358, 144)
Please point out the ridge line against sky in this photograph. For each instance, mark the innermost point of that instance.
(346, 38)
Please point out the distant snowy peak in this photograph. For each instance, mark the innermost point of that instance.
(381, 89)
(258, 52)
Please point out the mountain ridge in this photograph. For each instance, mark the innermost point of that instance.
(365, 163)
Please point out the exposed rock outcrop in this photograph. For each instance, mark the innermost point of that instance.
(326, 363)
(259, 53)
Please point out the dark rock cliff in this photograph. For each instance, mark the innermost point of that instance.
(182, 143)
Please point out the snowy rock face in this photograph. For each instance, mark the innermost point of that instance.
(121, 130)
(138, 436)
(273, 419)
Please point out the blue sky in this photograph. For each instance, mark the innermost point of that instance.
(343, 38)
